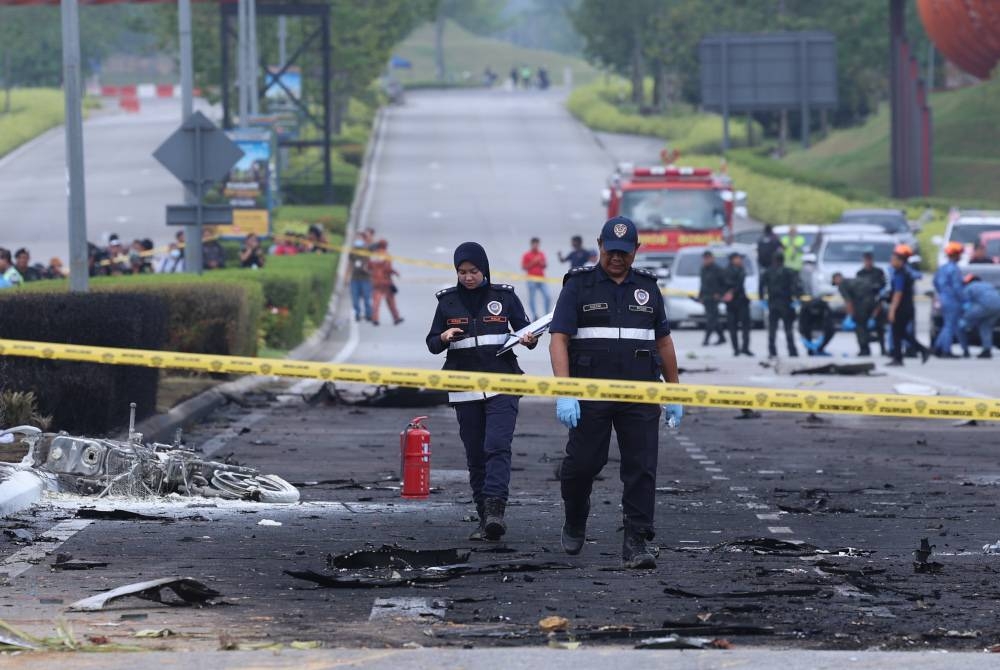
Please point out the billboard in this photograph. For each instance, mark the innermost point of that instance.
(250, 186)
(283, 90)
(746, 72)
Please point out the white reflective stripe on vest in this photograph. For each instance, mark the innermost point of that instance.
(469, 396)
(481, 341)
(601, 333)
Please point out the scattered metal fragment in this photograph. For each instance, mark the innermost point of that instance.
(767, 593)
(268, 522)
(117, 515)
(845, 369)
(19, 535)
(12, 639)
(67, 562)
(674, 642)
(921, 554)
(391, 556)
(386, 578)
(767, 545)
(992, 548)
(190, 591)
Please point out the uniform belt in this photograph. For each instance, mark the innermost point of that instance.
(480, 341)
(601, 333)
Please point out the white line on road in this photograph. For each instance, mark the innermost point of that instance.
(738, 488)
(779, 530)
(25, 559)
(770, 516)
(720, 478)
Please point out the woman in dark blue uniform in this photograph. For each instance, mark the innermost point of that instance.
(472, 322)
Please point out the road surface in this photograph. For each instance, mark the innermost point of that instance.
(856, 494)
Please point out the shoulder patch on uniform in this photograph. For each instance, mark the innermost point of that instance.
(645, 273)
(446, 291)
(502, 287)
(582, 268)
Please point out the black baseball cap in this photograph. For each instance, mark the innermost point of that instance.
(619, 234)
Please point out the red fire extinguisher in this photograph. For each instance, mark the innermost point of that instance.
(415, 459)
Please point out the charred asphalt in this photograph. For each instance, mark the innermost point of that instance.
(781, 531)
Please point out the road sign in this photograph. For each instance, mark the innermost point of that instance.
(188, 215)
(198, 152)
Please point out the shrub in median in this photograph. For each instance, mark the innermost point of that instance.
(83, 397)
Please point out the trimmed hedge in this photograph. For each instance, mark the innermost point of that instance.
(84, 397)
(205, 315)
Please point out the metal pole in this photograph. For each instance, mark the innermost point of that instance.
(241, 62)
(896, 29)
(192, 234)
(227, 114)
(725, 94)
(804, 89)
(282, 41)
(327, 112)
(76, 200)
(253, 63)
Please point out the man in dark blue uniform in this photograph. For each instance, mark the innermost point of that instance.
(472, 322)
(610, 323)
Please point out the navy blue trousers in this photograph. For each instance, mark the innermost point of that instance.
(487, 430)
(637, 427)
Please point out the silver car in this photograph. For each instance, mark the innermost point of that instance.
(842, 252)
(892, 221)
(684, 282)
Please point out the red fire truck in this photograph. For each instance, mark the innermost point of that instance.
(673, 207)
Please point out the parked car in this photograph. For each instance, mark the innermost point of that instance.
(988, 273)
(685, 275)
(965, 228)
(892, 221)
(841, 252)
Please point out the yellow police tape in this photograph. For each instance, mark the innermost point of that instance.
(781, 400)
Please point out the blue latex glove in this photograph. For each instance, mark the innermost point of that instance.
(809, 345)
(568, 411)
(672, 415)
(848, 323)
(871, 323)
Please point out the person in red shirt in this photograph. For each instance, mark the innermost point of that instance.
(533, 263)
(383, 287)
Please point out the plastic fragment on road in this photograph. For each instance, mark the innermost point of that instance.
(189, 590)
(992, 548)
(268, 522)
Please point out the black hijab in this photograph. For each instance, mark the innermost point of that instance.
(473, 299)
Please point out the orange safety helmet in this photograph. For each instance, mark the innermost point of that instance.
(954, 249)
(903, 250)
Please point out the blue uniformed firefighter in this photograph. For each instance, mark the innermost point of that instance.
(472, 321)
(610, 323)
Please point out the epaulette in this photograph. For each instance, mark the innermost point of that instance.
(502, 287)
(645, 273)
(446, 291)
(577, 272)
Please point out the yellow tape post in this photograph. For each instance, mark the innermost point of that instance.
(738, 397)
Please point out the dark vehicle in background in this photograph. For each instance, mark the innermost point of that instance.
(989, 273)
(892, 221)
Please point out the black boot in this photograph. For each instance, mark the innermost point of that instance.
(494, 527)
(479, 534)
(635, 554)
(574, 530)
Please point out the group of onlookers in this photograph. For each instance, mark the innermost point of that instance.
(371, 277)
(141, 257)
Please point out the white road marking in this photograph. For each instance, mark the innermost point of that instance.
(770, 516)
(713, 469)
(779, 530)
(720, 478)
(753, 505)
(770, 472)
(738, 488)
(25, 559)
(707, 462)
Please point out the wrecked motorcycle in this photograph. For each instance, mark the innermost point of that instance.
(102, 467)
